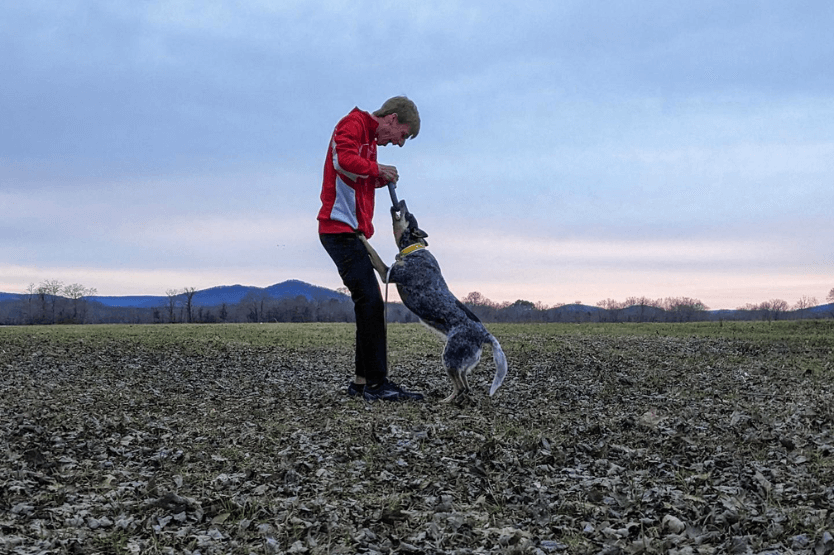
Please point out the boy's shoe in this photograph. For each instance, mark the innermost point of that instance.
(355, 390)
(389, 391)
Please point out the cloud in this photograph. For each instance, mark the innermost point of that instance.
(718, 290)
(116, 281)
(189, 137)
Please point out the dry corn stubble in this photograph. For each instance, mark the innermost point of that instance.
(238, 439)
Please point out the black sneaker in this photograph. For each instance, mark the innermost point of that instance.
(389, 391)
(355, 390)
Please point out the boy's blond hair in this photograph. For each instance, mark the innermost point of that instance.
(406, 112)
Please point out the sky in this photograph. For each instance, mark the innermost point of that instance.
(569, 150)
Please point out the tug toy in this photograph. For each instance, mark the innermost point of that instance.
(392, 190)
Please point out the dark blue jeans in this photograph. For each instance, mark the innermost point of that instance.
(358, 275)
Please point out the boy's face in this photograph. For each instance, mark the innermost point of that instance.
(391, 131)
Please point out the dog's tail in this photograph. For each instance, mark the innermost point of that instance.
(500, 365)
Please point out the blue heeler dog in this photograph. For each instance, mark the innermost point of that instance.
(424, 291)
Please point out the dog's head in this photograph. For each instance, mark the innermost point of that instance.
(406, 230)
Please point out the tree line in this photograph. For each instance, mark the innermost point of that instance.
(641, 309)
(52, 302)
(49, 302)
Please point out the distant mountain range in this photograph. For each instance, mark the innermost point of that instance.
(234, 294)
(216, 296)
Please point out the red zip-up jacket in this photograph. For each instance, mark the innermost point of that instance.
(350, 176)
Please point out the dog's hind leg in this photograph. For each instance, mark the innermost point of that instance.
(460, 356)
(460, 376)
(462, 391)
(464, 372)
(458, 384)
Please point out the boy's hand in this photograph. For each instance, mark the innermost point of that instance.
(388, 173)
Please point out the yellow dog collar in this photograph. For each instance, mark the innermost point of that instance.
(411, 248)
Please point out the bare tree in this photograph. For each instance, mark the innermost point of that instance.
(477, 299)
(642, 302)
(773, 308)
(778, 305)
(188, 292)
(641, 306)
(173, 295)
(805, 302)
(32, 290)
(683, 309)
(481, 306)
(830, 296)
(610, 304)
(48, 291)
(77, 293)
(254, 302)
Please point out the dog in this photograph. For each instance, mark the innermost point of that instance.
(423, 290)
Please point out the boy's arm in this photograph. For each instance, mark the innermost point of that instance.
(347, 142)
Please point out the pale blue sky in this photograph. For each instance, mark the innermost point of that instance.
(568, 151)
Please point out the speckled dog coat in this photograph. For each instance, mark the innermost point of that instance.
(424, 291)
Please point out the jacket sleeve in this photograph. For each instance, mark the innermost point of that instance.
(348, 139)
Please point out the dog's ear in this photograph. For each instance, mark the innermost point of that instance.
(413, 226)
(414, 229)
